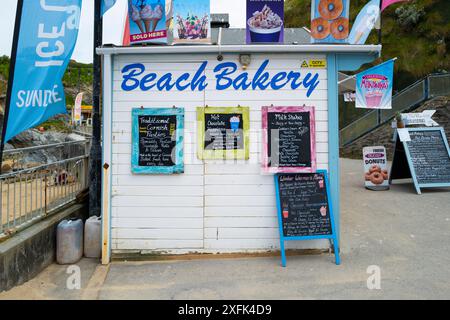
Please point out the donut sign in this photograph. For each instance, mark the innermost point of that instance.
(376, 175)
(329, 21)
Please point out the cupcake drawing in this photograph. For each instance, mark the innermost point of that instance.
(234, 122)
(323, 211)
(373, 99)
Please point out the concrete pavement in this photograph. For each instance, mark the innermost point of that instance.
(406, 235)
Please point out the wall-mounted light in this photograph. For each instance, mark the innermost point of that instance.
(245, 60)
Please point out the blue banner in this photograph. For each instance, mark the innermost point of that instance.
(365, 22)
(46, 40)
(374, 87)
(107, 4)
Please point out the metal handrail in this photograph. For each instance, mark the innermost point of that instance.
(30, 194)
(46, 146)
(428, 92)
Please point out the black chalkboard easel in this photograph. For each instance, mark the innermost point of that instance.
(425, 159)
(304, 209)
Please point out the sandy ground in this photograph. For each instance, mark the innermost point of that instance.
(404, 234)
(27, 199)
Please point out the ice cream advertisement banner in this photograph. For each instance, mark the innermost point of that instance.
(365, 22)
(376, 175)
(147, 20)
(191, 21)
(47, 35)
(374, 87)
(77, 108)
(265, 21)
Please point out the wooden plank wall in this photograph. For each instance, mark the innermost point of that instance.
(216, 205)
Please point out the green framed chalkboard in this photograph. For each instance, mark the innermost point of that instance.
(223, 132)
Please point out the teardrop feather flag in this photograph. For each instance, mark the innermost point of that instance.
(364, 23)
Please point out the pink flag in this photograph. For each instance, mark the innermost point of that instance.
(387, 3)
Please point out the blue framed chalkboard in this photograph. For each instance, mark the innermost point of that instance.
(425, 159)
(157, 140)
(305, 209)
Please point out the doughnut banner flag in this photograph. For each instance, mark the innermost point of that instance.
(147, 21)
(374, 87)
(329, 21)
(265, 21)
(44, 38)
(375, 168)
(365, 22)
(191, 21)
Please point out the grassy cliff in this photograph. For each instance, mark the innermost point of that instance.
(417, 32)
(78, 77)
(73, 79)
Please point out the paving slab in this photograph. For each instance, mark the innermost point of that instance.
(403, 234)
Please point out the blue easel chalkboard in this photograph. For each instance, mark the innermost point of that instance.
(157, 140)
(305, 209)
(425, 158)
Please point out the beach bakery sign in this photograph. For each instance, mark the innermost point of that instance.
(228, 75)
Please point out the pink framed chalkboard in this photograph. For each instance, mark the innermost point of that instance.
(289, 139)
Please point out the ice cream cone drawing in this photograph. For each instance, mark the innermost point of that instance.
(285, 211)
(323, 211)
(234, 122)
(146, 16)
(321, 184)
(136, 18)
(358, 36)
(157, 15)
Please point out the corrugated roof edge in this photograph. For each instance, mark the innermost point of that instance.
(278, 48)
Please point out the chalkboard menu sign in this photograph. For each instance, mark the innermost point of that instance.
(304, 205)
(223, 133)
(157, 140)
(304, 208)
(428, 156)
(288, 139)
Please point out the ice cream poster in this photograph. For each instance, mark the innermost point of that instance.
(329, 21)
(265, 21)
(147, 21)
(374, 87)
(191, 21)
(365, 22)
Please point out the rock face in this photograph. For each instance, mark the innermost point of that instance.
(33, 137)
(383, 134)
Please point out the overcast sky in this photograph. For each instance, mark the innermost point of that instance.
(113, 24)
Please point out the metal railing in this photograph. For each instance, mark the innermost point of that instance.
(430, 87)
(32, 190)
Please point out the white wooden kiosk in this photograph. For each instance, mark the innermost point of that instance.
(215, 206)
